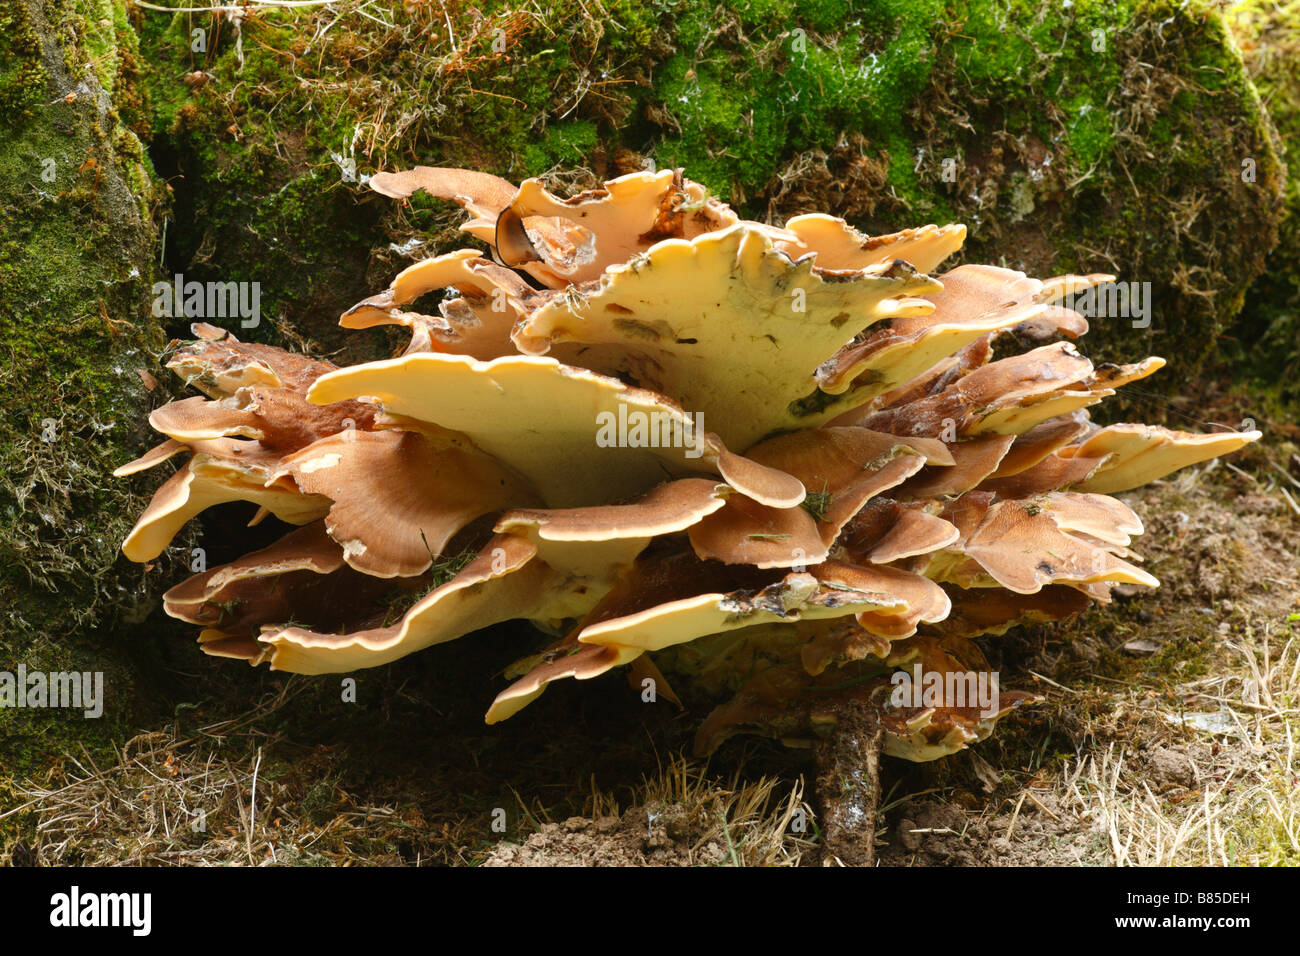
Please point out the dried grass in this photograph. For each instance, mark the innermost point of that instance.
(204, 799)
(1249, 818)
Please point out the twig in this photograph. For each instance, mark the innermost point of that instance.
(1015, 814)
(1053, 683)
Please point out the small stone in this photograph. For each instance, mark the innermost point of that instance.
(909, 840)
(1141, 648)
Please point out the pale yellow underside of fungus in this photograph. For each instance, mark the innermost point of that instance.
(782, 460)
(678, 318)
(205, 481)
(544, 419)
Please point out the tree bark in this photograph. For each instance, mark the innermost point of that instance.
(848, 784)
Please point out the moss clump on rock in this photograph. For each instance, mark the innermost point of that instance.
(77, 254)
(1127, 139)
(1269, 332)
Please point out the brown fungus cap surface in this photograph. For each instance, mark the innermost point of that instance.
(399, 497)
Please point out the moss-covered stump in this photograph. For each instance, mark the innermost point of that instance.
(1122, 137)
(1269, 333)
(77, 257)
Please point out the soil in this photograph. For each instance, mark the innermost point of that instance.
(653, 835)
(1226, 555)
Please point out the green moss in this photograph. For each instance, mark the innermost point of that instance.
(566, 145)
(1074, 158)
(741, 110)
(1064, 155)
(22, 76)
(76, 259)
(98, 21)
(1268, 336)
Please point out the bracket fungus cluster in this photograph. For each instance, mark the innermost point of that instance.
(824, 471)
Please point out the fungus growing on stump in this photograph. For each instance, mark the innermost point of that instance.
(788, 464)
